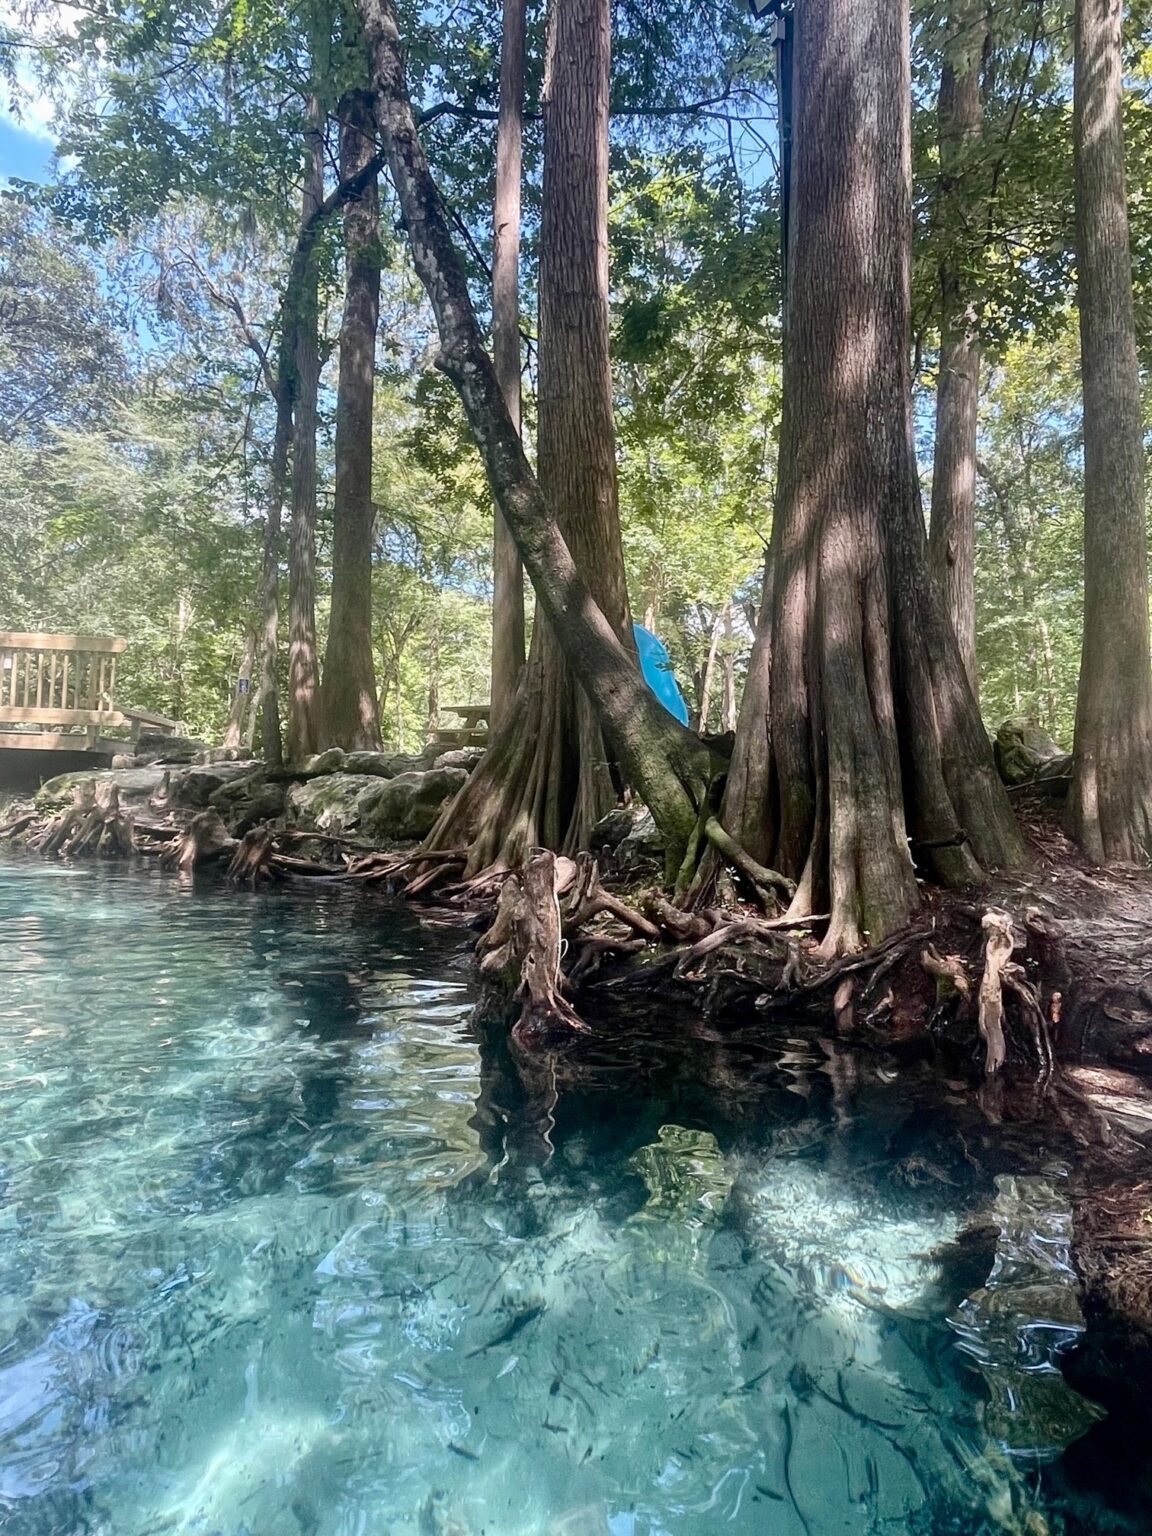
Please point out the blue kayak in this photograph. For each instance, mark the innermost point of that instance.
(656, 665)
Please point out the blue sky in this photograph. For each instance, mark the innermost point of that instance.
(25, 154)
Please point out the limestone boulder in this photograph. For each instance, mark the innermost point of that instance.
(460, 757)
(331, 761)
(1026, 754)
(380, 765)
(195, 786)
(407, 806)
(135, 785)
(330, 803)
(244, 803)
(173, 749)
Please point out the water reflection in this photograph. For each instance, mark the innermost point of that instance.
(288, 1243)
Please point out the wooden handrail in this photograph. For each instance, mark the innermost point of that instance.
(105, 645)
(50, 680)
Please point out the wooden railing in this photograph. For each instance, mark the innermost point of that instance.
(59, 680)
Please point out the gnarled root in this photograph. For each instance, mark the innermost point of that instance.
(999, 943)
(523, 948)
(252, 859)
(17, 825)
(104, 830)
(1029, 999)
(588, 899)
(204, 838)
(93, 823)
(61, 828)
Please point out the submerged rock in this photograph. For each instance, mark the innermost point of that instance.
(330, 803)
(407, 806)
(1026, 1315)
(1026, 754)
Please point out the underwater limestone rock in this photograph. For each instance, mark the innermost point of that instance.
(1017, 1325)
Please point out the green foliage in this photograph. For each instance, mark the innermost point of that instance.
(1029, 535)
(126, 531)
(62, 357)
(695, 269)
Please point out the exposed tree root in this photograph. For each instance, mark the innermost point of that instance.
(51, 838)
(204, 838)
(92, 824)
(17, 825)
(523, 948)
(999, 943)
(253, 857)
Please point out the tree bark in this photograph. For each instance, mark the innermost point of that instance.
(507, 569)
(236, 731)
(669, 766)
(304, 729)
(728, 669)
(271, 739)
(708, 674)
(556, 778)
(952, 536)
(350, 712)
(1110, 801)
(867, 685)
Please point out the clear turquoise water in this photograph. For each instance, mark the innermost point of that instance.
(288, 1245)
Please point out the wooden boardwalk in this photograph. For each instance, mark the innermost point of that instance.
(57, 693)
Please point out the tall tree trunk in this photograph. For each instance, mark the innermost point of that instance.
(952, 536)
(728, 669)
(271, 740)
(236, 731)
(507, 570)
(709, 673)
(434, 639)
(1110, 801)
(867, 684)
(350, 712)
(548, 777)
(304, 729)
(669, 766)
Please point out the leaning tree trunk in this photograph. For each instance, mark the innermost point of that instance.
(875, 739)
(350, 712)
(952, 535)
(669, 766)
(507, 570)
(548, 778)
(1110, 801)
(304, 732)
